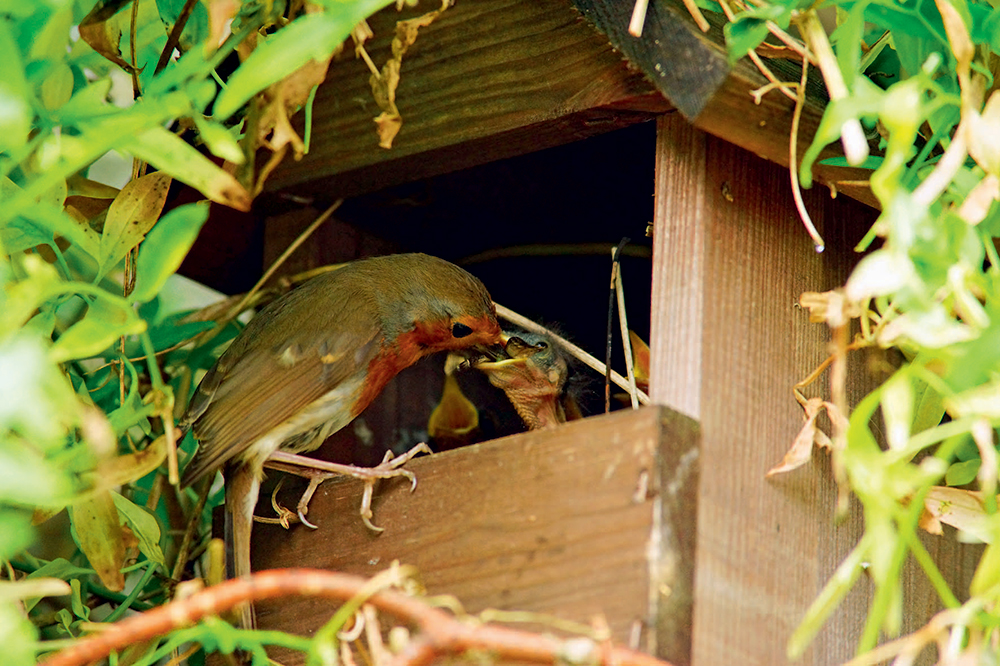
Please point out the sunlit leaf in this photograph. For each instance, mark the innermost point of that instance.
(15, 110)
(219, 140)
(131, 215)
(165, 248)
(102, 325)
(172, 155)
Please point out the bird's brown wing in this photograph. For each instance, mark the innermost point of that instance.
(291, 354)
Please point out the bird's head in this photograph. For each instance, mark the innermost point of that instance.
(532, 372)
(528, 359)
(441, 307)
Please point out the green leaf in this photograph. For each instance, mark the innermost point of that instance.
(51, 41)
(21, 234)
(750, 28)
(172, 155)
(196, 30)
(101, 326)
(170, 333)
(37, 401)
(16, 532)
(871, 162)
(15, 113)
(928, 406)
(131, 215)
(17, 635)
(60, 568)
(987, 576)
(219, 140)
(961, 473)
(309, 37)
(897, 408)
(80, 609)
(165, 248)
(143, 525)
(829, 598)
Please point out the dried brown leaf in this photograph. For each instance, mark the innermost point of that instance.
(801, 450)
(384, 84)
(962, 509)
(958, 34)
(983, 135)
(220, 13)
(100, 30)
(833, 307)
(131, 215)
(99, 534)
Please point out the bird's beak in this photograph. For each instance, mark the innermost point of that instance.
(491, 352)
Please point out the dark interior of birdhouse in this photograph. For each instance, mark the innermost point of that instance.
(537, 229)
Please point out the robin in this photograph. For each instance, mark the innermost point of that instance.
(534, 374)
(312, 360)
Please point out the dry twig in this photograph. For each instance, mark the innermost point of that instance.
(578, 353)
(439, 633)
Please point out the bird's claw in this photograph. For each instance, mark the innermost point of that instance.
(285, 516)
(319, 471)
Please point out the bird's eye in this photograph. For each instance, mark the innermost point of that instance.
(542, 344)
(460, 330)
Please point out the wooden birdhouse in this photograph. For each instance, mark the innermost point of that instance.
(534, 136)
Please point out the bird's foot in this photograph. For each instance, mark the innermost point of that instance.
(285, 518)
(318, 471)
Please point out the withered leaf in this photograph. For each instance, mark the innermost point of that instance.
(801, 450)
(99, 534)
(962, 509)
(384, 84)
(131, 215)
(102, 33)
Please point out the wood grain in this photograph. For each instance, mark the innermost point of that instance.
(487, 80)
(557, 521)
(731, 260)
(496, 78)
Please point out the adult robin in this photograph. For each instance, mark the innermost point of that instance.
(312, 360)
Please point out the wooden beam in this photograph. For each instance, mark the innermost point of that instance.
(496, 78)
(728, 342)
(487, 80)
(593, 517)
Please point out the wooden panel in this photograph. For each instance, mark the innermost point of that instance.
(495, 78)
(557, 521)
(487, 80)
(730, 260)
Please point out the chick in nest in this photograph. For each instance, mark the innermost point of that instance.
(536, 377)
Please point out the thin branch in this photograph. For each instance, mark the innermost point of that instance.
(638, 18)
(615, 257)
(287, 253)
(440, 632)
(793, 162)
(852, 135)
(175, 36)
(578, 353)
(782, 86)
(626, 342)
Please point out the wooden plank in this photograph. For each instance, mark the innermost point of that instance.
(730, 260)
(487, 80)
(496, 78)
(572, 522)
